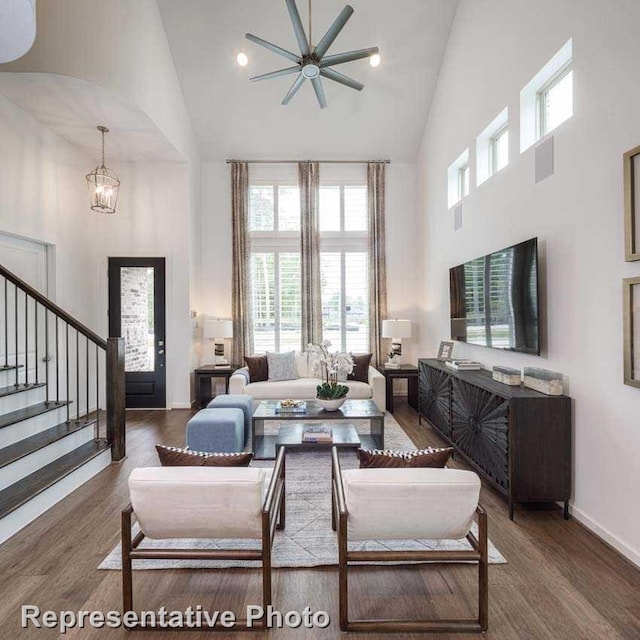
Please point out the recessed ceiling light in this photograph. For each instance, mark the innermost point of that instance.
(242, 59)
(374, 60)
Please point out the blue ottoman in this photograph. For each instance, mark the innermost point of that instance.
(241, 401)
(216, 430)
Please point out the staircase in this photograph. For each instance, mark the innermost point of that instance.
(61, 403)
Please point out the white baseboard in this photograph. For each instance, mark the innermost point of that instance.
(613, 541)
(181, 405)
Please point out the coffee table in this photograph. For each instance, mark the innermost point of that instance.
(264, 446)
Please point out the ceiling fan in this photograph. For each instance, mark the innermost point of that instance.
(313, 64)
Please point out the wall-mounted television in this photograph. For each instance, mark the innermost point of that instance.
(495, 299)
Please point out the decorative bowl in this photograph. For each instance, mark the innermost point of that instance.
(330, 405)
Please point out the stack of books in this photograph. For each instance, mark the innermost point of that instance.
(317, 435)
(463, 365)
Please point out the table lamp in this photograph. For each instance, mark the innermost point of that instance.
(396, 330)
(218, 330)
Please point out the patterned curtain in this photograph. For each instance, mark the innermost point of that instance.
(241, 300)
(377, 258)
(309, 182)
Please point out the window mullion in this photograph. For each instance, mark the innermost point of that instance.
(343, 302)
(276, 300)
(276, 208)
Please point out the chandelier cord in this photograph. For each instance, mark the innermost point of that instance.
(103, 166)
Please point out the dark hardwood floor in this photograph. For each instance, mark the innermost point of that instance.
(560, 583)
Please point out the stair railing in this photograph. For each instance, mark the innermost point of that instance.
(80, 371)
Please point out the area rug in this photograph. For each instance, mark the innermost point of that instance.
(307, 540)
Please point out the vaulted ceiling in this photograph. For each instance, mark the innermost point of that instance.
(235, 118)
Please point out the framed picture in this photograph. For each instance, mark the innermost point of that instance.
(446, 350)
(631, 306)
(631, 168)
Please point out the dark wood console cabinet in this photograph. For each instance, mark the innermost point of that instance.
(517, 439)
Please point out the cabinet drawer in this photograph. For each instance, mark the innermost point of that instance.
(480, 429)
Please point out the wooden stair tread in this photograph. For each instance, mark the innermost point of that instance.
(10, 367)
(19, 388)
(31, 411)
(40, 440)
(32, 485)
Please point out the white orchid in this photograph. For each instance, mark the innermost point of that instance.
(326, 365)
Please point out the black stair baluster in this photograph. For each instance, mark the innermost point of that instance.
(15, 306)
(66, 369)
(26, 339)
(35, 313)
(97, 394)
(46, 353)
(6, 326)
(57, 362)
(77, 376)
(86, 375)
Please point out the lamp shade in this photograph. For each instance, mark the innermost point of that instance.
(396, 328)
(218, 329)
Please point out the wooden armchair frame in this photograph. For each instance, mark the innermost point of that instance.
(339, 518)
(273, 517)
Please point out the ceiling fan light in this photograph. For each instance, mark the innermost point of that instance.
(242, 59)
(374, 60)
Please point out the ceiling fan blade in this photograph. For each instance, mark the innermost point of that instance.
(273, 47)
(339, 58)
(336, 76)
(295, 87)
(317, 87)
(298, 29)
(332, 32)
(276, 74)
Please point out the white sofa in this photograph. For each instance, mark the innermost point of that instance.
(304, 387)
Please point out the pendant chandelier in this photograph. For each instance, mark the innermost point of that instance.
(103, 184)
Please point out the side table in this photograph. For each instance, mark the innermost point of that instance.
(203, 377)
(405, 371)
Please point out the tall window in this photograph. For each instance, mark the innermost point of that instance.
(344, 266)
(274, 222)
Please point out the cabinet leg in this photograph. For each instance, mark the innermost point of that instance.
(566, 509)
(511, 510)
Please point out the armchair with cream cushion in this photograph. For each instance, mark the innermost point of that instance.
(204, 502)
(304, 386)
(408, 504)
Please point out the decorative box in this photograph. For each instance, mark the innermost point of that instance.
(507, 375)
(549, 382)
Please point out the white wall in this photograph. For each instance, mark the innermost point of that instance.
(43, 197)
(118, 45)
(496, 47)
(403, 244)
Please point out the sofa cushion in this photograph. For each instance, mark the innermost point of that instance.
(361, 364)
(258, 368)
(177, 457)
(282, 366)
(302, 389)
(393, 459)
(405, 504)
(302, 365)
(198, 502)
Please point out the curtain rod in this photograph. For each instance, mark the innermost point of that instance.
(229, 161)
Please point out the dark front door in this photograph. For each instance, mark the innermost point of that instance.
(137, 313)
